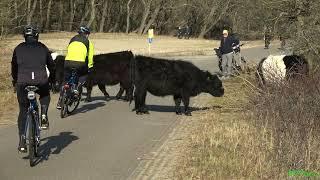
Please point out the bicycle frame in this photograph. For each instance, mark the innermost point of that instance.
(71, 82)
(33, 112)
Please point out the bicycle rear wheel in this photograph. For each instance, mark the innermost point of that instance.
(73, 103)
(63, 111)
(31, 137)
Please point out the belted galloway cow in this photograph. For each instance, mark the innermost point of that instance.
(274, 69)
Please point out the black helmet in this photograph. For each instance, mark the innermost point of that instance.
(84, 30)
(30, 31)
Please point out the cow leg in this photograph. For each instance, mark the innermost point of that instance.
(177, 100)
(119, 94)
(89, 90)
(102, 88)
(137, 102)
(144, 107)
(140, 96)
(186, 100)
(129, 93)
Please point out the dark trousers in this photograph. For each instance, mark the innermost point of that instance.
(24, 102)
(81, 70)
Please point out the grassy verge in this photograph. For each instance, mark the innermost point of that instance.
(261, 137)
(8, 101)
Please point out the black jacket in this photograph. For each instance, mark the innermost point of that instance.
(29, 61)
(226, 45)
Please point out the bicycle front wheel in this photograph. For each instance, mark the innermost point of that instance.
(31, 137)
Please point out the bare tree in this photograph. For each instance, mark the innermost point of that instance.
(128, 16)
(73, 6)
(153, 16)
(48, 15)
(146, 6)
(31, 8)
(216, 12)
(61, 9)
(104, 14)
(93, 13)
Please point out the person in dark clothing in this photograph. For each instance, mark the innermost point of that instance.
(79, 57)
(28, 67)
(267, 38)
(227, 53)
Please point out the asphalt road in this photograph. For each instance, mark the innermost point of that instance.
(102, 140)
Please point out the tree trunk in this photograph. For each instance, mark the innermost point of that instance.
(31, 11)
(146, 13)
(48, 15)
(93, 13)
(41, 14)
(153, 18)
(60, 26)
(208, 24)
(85, 15)
(104, 14)
(16, 15)
(73, 5)
(115, 28)
(128, 16)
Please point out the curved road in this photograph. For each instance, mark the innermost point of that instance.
(103, 140)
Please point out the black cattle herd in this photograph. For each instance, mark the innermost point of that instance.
(139, 74)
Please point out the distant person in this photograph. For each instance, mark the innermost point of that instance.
(28, 67)
(236, 51)
(283, 41)
(267, 38)
(79, 57)
(227, 54)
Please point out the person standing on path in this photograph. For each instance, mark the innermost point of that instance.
(227, 54)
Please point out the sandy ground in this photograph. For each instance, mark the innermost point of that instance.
(108, 42)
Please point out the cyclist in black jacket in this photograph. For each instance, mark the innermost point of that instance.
(28, 67)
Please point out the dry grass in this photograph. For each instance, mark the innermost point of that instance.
(252, 138)
(112, 42)
(7, 97)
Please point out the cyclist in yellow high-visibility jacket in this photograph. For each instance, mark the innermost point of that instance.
(79, 57)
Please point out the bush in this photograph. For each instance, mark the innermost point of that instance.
(290, 113)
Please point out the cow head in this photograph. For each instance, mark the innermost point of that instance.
(213, 85)
(58, 78)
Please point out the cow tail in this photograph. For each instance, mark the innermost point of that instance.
(132, 75)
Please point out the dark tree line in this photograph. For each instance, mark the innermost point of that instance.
(295, 19)
(203, 16)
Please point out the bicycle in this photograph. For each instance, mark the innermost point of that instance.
(71, 95)
(236, 67)
(32, 128)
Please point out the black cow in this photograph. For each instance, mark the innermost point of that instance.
(111, 69)
(108, 69)
(275, 69)
(163, 77)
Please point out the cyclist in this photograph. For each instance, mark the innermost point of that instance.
(28, 67)
(79, 57)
